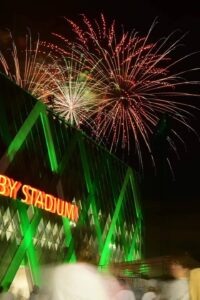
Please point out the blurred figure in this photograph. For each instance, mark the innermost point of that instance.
(34, 295)
(138, 291)
(125, 293)
(187, 283)
(79, 281)
(150, 294)
(181, 269)
(20, 295)
(179, 288)
(1, 291)
(6, 294)
(85, 251)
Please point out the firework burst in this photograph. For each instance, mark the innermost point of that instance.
(25, 65)
(75, 88)
(139, 81)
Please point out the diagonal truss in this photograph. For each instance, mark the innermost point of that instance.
(29, 228)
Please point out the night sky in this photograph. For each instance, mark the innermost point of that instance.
(171, 206)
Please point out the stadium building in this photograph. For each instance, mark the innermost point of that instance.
(54, 178)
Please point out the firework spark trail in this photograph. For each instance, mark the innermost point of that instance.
(140, 84)
(26, 67)
(68, 85)
(76, 89)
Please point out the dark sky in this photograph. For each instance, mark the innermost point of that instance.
(171, 207)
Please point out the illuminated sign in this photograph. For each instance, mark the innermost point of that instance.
(11, 188)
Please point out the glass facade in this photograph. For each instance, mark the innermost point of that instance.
(40, 149)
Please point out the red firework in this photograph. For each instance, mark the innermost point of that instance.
(139, 81)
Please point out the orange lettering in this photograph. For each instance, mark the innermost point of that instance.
(69, 210)
(54, 205)
(48, 202)
(25, 190)
(76, 213)
(39, 199)
(14, 188)
(60, 207)
(32, 196)
(4, 186)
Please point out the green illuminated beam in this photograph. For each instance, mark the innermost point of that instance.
(106, 251)
(135, 192)
(32, 258)
(69, 241)
(49, 142)
(21, 251)
(72, 258)
(91, 191)
(120, 217)
(68, 154)
(70, 255)
(133, 245)
(84, 211)
(67, 230)
(59, 168)
(123, 236)
(140, 237)
(20, 137)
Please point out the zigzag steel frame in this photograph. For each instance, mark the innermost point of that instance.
(29, 228)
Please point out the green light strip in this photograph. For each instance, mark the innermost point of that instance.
(106, 251)
(65, 159)
(91, 191)
(58, 169)
(120, 217)
(32, 257)
(21, 251)
(130, 256)
(49, 142)
(66, 226)
(68, 238)
(70, 256)
(27, 243)
(140, 237)
(134, 188)
(20, 136)
(126, 244)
